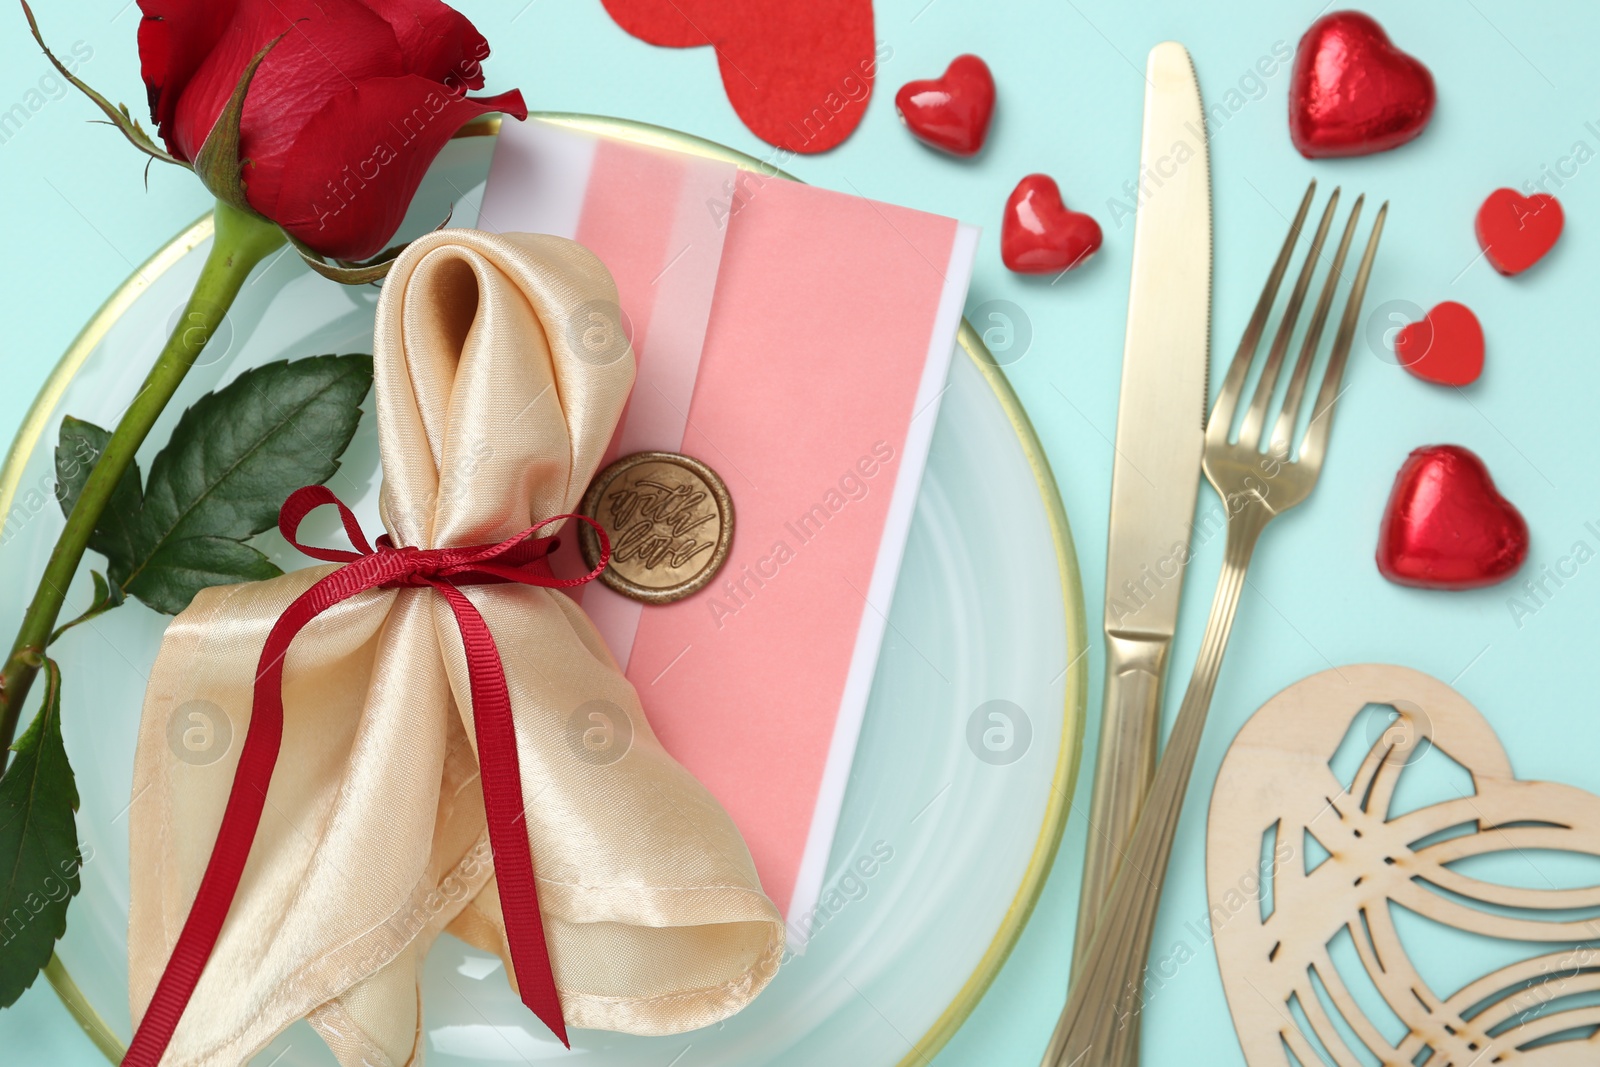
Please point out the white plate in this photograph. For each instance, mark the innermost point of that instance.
(957, 802)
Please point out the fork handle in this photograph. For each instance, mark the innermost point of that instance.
(1099, 1025)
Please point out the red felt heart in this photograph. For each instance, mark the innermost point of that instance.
(1445, 347)
(1352, 92)
(1516, 231)
(952, 112)
(798, 72)
(1040, 235)
(1446, 526)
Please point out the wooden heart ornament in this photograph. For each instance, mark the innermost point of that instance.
(1340, 905)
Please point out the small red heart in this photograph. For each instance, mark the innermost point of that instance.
(1445, 347)
(1516, 231)
(951, 113)
(1446, 526)
(1352, 92)
(1039, 235)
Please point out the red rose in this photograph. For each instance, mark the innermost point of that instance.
(343, 116)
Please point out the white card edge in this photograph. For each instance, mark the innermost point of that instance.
(880, 592)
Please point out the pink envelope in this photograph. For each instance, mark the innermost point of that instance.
(797, 341)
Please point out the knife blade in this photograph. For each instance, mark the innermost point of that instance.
(1156, 468)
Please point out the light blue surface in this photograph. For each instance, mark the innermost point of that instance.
(1518, 90)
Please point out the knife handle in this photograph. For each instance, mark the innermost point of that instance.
(1130, 733)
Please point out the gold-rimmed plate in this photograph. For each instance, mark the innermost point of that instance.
(965, 764)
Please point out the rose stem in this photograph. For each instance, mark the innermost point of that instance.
(240, 243)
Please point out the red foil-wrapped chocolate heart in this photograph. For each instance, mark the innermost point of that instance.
(1352, 92)
(1447, 526)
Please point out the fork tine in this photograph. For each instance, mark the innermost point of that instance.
(1255, 416)
(1221, 421)
(1308, 348)
(1315, 444)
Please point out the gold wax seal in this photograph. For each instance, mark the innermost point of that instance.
(670, 521)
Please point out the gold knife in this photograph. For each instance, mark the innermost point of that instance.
(1156, 468)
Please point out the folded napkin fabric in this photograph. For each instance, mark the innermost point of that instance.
(491, 417)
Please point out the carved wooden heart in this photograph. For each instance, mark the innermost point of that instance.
(1278, 804)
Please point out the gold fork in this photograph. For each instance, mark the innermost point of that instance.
(1099, 1024)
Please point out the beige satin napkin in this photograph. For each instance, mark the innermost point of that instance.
(493, 413)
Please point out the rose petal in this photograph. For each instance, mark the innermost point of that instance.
(331, 46)
(344, 186)
(175, 37)
(436, 40)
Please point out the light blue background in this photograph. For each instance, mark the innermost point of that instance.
(1518, 87)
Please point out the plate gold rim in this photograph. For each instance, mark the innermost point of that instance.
(1064, 779)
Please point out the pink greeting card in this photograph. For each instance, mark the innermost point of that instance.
(797, 341)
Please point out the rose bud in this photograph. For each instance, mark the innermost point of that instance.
(342, 117)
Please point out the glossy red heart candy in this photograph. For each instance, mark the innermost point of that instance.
(952, 112)
(1447, 526)
(1445, 347)
(1039, 235)
(1516, 231)
(1352, 92)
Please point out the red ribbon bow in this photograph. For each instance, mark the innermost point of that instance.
(523, 559)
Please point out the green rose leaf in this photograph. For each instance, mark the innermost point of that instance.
(77, 451)
(179, 569)
(39, 856)
(232, 460)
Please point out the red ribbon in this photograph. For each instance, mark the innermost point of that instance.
(522, 559)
